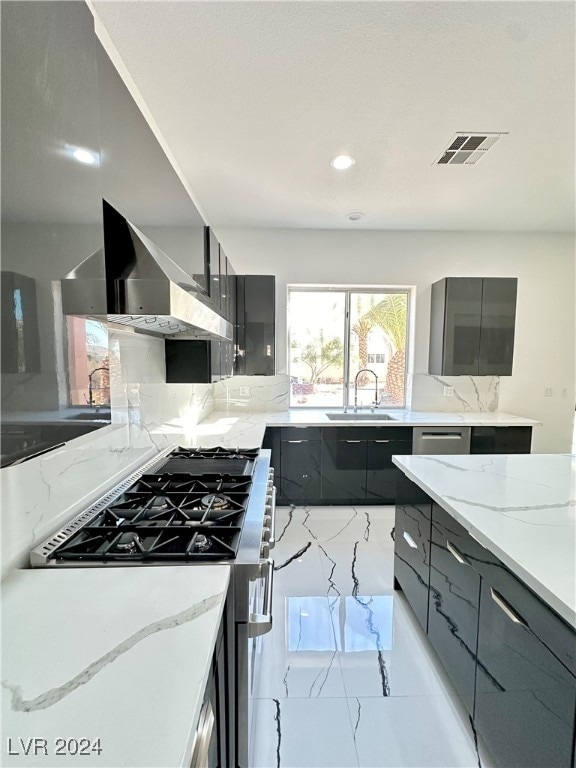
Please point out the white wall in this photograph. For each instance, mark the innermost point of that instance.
(545, 321)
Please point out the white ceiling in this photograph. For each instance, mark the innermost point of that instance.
(254, 98)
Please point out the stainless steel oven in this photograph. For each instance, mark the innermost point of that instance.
(171, 512)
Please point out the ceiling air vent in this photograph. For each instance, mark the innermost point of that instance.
(467, 148)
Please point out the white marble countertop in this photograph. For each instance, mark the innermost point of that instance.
(119, 654)
(236, 429)
(521, 507)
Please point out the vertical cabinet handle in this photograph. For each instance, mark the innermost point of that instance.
(410, 540)
(454, 552)
(507, 609)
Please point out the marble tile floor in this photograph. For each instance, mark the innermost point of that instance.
(346, 676)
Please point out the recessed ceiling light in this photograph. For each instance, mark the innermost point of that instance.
(356, 216)
(342, 162)
(85, 156)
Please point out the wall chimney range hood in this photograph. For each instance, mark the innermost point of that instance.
(142, 287)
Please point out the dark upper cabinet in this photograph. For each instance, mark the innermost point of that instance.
(497, 326)
(213, 260)
(20, 329)
(256, 325)
(140, 182)
(472, 326)
(51, 217)
(188, 361)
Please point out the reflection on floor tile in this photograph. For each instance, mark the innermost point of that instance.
(302, 733)
(346, 677)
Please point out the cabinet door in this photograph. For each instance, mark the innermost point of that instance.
(300, 478)
(259, 324)
(214, 269)
(525, 698)
(412, 547)
(497, 326)
(454, 604)
(343, 469)
(381, 473)
(501, 440)
(456, 313)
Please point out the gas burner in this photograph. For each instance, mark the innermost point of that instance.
(160, 504)
(129, 543)
(216, 501)
(202, 543)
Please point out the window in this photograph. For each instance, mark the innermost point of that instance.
(334, 333)
(89, 362)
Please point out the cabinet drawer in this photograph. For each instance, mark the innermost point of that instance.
(299, 433)
(412, 556)
(454, 604)
(525, 698)
(552, 630)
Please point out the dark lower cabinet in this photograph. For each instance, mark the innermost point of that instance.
(300, 473)
(412, 547)
(355, 464)
(343, 469)
(381, 474)
(510, 657)
(453, 604)
(501, 440)
(525, 698)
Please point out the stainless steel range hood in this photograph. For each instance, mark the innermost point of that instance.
(142, 287)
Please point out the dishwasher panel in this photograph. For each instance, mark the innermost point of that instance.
(441, 440)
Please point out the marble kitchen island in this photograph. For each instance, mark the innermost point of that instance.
(485, 554)
(115, 656)
(520, 507)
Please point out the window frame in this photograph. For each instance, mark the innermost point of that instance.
(348, 290)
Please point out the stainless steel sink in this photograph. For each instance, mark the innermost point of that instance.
(360, 417)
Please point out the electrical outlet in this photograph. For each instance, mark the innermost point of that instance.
(547, 391)
(448, 391)
(245, 392)
(564, 392)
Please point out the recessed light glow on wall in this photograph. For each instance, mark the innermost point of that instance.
(85, 156)
(342, 162)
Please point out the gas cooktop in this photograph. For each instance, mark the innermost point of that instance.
(165, 517)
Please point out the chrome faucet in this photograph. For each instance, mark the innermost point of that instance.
(90, 398)
(365, 370)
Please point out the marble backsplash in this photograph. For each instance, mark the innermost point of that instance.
(252, 393)
(449, 394)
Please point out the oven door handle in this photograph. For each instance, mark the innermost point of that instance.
(206, 723)
(272, 540)
(261, 623)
